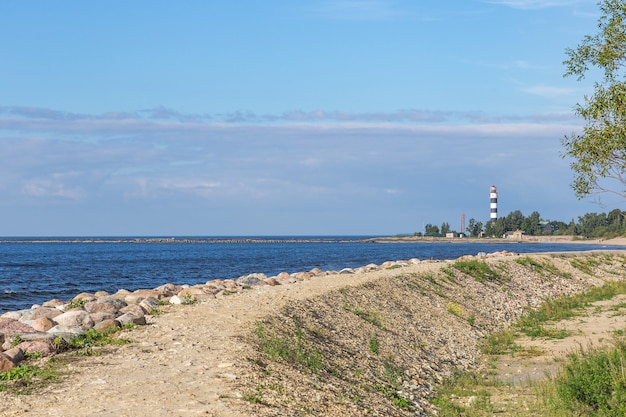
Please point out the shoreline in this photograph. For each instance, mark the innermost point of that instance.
(618, 241)
(208, 363)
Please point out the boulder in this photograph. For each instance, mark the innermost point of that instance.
(75, 318)
(271, 281)
(48, 312)
(37, 346)
(316, 271)
(131, 318)
(6, 364)
(149, 304)
(106, 325)
(16, 355)
(229, 283)
(196, 293)
(101, 316)
(176, 300)
(66, 332)
(13, 315)
(170, 289)
(84, 296)
(251, 280)
(54, 303)
(11, 327)
(102, 306)
(283, 276)
(134, 309)
(43, 324)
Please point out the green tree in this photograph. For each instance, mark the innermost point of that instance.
(474, 227)
(531, 225)
(495, 228)
(445, 228)
(593, 224)
(513, 221)
(599, 152)
(431, 230)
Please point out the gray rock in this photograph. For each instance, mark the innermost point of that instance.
(75, 318)
(66, 332)
(100, 306)
(131, 318)
(48, 312)
(149, 304)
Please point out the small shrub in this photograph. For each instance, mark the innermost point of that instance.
(592, 383)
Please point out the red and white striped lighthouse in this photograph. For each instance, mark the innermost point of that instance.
(493, 203)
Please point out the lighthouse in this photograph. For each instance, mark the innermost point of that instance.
(493, 203)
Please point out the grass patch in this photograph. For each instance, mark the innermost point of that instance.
(374, 345)
(544, 267)
(21, 379)
(369, 316)
(477, 269)
(585, 264)
(392, 376)
(498, 343)
(85, 344)
(592, 383)
(294, 352)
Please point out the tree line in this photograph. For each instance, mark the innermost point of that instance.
(590, 225)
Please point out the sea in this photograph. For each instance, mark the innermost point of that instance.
(35, 270)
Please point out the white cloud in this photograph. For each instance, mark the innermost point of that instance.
(284, 166)
(548, 91)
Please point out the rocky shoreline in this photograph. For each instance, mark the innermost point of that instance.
(34, 330)
(417, 321)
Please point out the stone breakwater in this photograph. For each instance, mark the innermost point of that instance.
(35, 330)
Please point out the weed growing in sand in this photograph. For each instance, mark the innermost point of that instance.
(84, 344)
(392, 376)
(254, 398)
(564, 308)
(591, 383)
(282, 348)
(374, 345)
(21, 379)
(544, 267)
(585, 264)
(467, 385)
(189, 299)
(455, 309)
(500, 342)
(369, 316)
(477, 269)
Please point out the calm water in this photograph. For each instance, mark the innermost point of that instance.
(36, 270)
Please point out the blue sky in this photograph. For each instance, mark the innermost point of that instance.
(282, 117)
